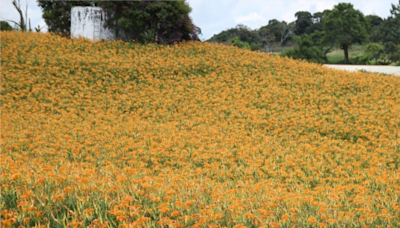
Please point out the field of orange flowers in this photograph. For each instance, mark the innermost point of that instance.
(113, 134)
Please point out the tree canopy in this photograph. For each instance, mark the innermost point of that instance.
(373, 26)
(240, 33)
(345, 26)
(303, 21)
(150, 21)
(143, 21)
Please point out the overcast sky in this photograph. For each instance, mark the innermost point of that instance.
(214, 16)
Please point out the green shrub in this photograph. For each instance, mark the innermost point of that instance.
(238, 43)
(306, 50)
(5, 26)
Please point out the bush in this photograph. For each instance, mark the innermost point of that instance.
(256, 46)
(238, 43)
(4, 26)
(375, 53)
(306, 50)
(395, 54)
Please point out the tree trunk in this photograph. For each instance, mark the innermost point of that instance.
(346, 53)
(22, 21)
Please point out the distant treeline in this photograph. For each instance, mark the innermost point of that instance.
(312, 36)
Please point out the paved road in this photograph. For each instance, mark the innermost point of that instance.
(395, 70)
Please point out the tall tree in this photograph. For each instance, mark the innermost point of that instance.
(303, 22)
(268, 37)
(345, 26)
(57, 14)
(149, 21)
(390, 33)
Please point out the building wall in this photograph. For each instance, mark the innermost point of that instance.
(89, 22)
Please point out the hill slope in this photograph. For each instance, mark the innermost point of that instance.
(111, 133)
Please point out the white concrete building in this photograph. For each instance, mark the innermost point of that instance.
(88, 22)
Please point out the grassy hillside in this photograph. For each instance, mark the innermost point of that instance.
(111, 134)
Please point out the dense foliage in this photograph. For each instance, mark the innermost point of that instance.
(113, 134)
(238, 43)
(144, 21)
(275, 34)
(390, 33)
(373, 52)
(307, 49)
(340, 27)
(150, 21)
(303, 22)
(243, 33)
(5, 26)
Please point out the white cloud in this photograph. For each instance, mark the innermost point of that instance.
(252, 17)
(380, 9)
